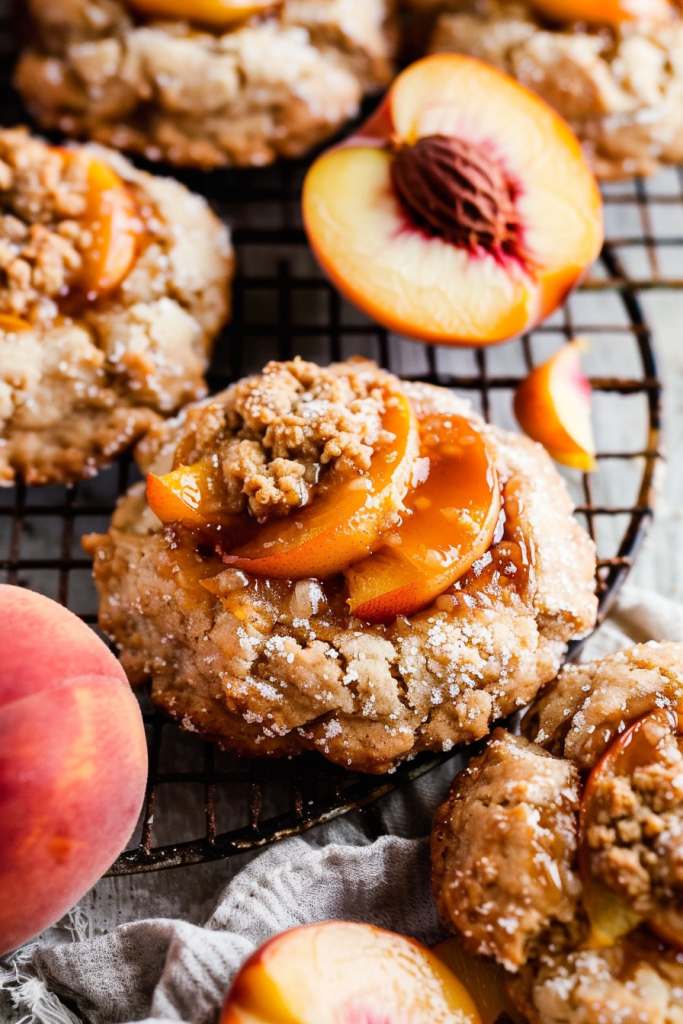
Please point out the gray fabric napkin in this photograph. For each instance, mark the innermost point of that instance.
(165, 969)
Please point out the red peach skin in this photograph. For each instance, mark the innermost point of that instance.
(73, 762)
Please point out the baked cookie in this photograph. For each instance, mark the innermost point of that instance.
(565, 864)
(205, 84)
(620, 86)
(308, 592)
(113, 285)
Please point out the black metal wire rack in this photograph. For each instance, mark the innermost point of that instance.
(202, 804)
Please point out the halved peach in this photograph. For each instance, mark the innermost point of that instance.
(346, 518)
(610, 915)
(605, 12)
(553, 406)
(462, 213)
(344, 973)
(216, 13)
(112, 218)
(450, 519)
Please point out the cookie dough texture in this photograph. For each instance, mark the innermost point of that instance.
(83, 383)
(273, 667)
(503, 849)
(620, 90)
(272, 87)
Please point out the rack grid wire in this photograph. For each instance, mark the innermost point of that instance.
(202, 803)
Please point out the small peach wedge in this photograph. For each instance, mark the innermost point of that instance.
(553, 406)
(605, 12)
(13, 324)
(193, 496)
(215, 13)
(451, 516)
(346, 519)
(610, 915)
(112, 217)
(343, 973)
(462, 213)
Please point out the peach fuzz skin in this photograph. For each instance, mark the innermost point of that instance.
(412, 280)
(343, 973)
(605, 12)
(73, 762)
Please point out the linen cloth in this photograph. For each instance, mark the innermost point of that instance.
(167, 969)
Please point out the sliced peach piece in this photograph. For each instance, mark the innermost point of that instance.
(553, 406)
(346, 519)
(112, 217)
(451, 518)
(13, 324)
(216, 13)
(605, 12)
(343, 973)
(609, 913)
(462, 213)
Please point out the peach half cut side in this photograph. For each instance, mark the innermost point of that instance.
(553, 407)
(215, 13)
(605, 12)
(450, 519)
(499, 214)
(346, 518)
(111, 216)
(609, 913)
(343, 973)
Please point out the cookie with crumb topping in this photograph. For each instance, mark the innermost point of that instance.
(113, 286)
(205, 85)
(619, 87)
(275, 663)
(561, 858)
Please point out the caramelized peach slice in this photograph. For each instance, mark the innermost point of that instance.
(342, 973)
(553, 406)
(216, 13)
(346, 518)
(605, 12)
(451, 518)
(609, 912)
(111, 216)
(13, 324)
(462, 213)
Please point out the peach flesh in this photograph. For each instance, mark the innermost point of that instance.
(609, 914)
(553, 407)
(73, 762)
(607, 12)
(192, 496)
(484, 980)
(423, 285)
(344, 522)
(112, 217)
(451, 522)
(12, 324)
(343, 973)
(216, 13)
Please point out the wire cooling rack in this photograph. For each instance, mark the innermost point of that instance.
(203, 804)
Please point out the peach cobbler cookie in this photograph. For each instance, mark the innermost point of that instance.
(208, 83)
(333, 559)
(562, 858)
(113, 285)
(613, 70)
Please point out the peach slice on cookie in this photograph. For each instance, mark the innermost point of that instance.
(605, 12)
(451, 513)
(463, 212)
(112, 218)
(610, 908)
(344, 973)
(347, 517)
(214, 13)
(553, 407)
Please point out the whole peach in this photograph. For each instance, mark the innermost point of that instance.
(73, 762)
